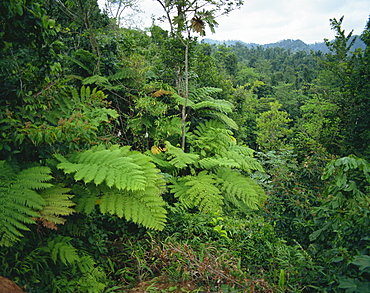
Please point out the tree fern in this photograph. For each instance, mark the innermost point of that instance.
(179, 100)
(214, 162)
(130, 185)
(219, 169)
(220, 117)
(142, 208)
(234, 185)
(57, 203)
(211, 137)
(96, 79)
(61, 249)
(215, 104)
(178, 158)
(198, 191)
(86, 275)
(73, 119)
(244, 156)
(208, 107)
(116, 166)
(198, 94)
(19, 200)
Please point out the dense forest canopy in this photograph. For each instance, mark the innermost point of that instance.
(150, 158)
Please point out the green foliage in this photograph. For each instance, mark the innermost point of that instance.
(58, 118)
(20, 200)
(100, 200)
(239, 190)
(215, 174)
(208, 107)
(340, 224)
(57, 204)
(211, 138)
(130, 184)
(61, 249)
(273, 128)
(319, 123)
(76, 119)
(29, 49)
(178, 158)
(198, 191)
(198, 94)
(55, 265)
(250, 241)
(294, 188)
(346, 198)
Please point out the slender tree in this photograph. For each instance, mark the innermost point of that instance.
(188, 17)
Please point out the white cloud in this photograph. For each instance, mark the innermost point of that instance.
(267, 21)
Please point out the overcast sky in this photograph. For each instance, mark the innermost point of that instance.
(269, 21)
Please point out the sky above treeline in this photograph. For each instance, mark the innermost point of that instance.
(270, 21)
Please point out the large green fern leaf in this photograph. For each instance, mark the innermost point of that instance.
(19, 200)
(142, 208)
(130, 185)
(211, 137)
(244, 156)
(219, 105)
(115, 167)
(200, 93)
(214, 162)
(57, 204)
(178, 158)
(198, 192)
(245, 189)
(222, 118)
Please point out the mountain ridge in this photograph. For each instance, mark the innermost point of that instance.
(288, 44)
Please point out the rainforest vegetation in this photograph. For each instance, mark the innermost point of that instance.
(149, 161)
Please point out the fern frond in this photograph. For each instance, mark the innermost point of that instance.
(168, 126)
(86, 264)
(61, 249)
(33, 178)
(244, 156)
(198, 94)
(245, 189)
(132, 186)
(96, 79)
(213, 162)
(179, 100)
(198, 191)
(221, 117)
(160, 160)
(78, 62)
(19, 201)
(57, 203)
(211, 137)
(7, 174)
(178, 158)
(146, 208)
(219, 105)
(116, 167)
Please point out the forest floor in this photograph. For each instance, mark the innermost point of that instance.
(161, 284)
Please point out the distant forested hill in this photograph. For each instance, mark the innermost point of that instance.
(293, 45)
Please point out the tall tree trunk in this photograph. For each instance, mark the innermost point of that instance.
(186, 95)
